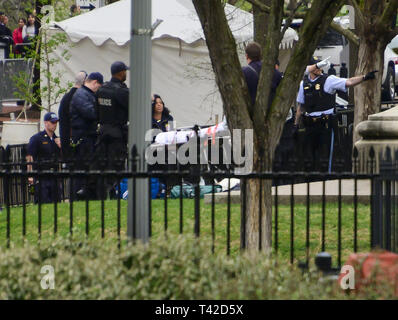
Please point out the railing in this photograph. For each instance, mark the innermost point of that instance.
(384, 233)
(10, 68)
(306, 218)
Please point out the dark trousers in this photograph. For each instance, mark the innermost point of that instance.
(48, 190)
(110, 154)
(318, 136)
(82, 157)
(67, 154)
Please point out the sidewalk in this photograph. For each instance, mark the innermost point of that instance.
(315, 192)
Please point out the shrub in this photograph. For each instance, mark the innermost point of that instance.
(178, 268)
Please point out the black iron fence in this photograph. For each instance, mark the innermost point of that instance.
(339, 212)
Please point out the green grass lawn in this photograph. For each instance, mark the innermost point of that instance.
(173, 225)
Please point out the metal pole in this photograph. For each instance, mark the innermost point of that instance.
(139, 114)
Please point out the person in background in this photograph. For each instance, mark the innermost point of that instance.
(30, 30)
(17, 36)
(6, 36)
(64, 115)
(44, 150)
(1, 23)
(160, 114)
(83, 115)
(316, 106)
(276, 80)
(113, 114)
(74, 10)
(252, 72)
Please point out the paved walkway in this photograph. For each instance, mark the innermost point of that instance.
(315, 192)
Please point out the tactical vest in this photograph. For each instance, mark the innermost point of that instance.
(109, 111)
(316, 99)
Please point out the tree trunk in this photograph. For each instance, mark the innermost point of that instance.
(292, 5)
(368, 94)
(266, 122)
(233, 2)
(260, 23)
(256, 212)
(376, 30)
(256, 228)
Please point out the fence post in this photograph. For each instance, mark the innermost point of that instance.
(377, 156)
(383, 202)
(139, 114)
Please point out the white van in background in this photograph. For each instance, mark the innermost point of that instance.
(335, 46)
(390, 71)
(332, 44)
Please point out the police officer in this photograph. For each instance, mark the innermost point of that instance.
(316, 102)
(113, 105)
(83, 122)
(64, 116)
(44, 150)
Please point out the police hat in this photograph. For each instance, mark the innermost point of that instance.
(313, 60)
(51, 116)
(118, 66)
(96, 76)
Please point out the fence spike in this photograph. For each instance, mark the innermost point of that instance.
(355, 153)
(372, 153)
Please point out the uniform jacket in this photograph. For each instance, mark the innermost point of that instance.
(162, 123)
(113, 109)
(43, 148)
(83, 114)
(316, 99)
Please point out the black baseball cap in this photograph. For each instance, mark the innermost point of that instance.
(51, 116)
(118, 66)
(96, 76)
(313, 60)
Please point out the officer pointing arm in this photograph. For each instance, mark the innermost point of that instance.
(316, 103)
(332, 83)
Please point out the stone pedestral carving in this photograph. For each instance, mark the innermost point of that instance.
(379, 132)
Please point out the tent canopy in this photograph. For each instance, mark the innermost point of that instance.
(179, 21)
(181, 69)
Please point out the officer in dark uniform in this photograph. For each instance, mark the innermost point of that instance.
(64, 116)
(112, 109)
(44, 150)
(316, 99)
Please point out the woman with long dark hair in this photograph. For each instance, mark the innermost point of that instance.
(160, 114)
(30, 30)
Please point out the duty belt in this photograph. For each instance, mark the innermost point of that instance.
(318, 120)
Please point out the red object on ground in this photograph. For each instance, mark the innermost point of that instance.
(379, 267)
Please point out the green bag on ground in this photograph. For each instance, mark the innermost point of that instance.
(188, 191)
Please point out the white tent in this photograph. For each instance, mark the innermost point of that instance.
(181, 70)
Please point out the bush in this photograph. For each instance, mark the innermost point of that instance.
(179, 268)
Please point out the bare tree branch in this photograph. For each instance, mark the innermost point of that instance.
(389, 12)
(260, 5)
(351, 36)
(290, 18)
(358, 12)
(297, 15)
